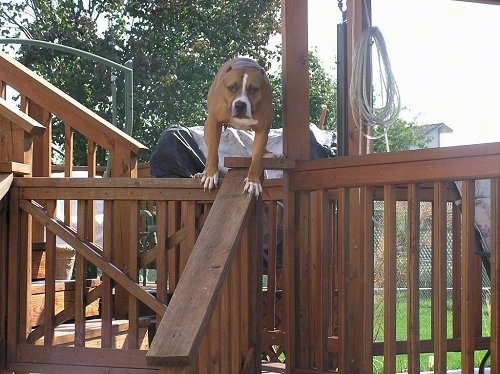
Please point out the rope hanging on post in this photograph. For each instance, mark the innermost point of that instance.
(361, 95)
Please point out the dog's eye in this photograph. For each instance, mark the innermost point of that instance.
(252, 90)
(232, 88)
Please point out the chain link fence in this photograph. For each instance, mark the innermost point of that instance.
(425, 281)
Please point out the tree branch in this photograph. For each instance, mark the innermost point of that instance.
(4, 15)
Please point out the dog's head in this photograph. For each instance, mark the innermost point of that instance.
(246, 90)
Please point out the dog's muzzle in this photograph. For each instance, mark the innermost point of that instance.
(240, 109)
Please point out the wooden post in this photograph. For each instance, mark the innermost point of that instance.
(5, 183)
(357, 342)
(357, 21)
(469, 269)
(42, 146)
(124, 166)
(295, 80)
(296, 130)
(495, 280)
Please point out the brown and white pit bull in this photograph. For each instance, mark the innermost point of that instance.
(241, 97)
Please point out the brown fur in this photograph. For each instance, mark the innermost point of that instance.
(223, 91)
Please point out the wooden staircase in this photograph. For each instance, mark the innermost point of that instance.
(64, 334)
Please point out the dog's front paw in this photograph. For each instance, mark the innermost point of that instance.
(208, 182)
(253, 188)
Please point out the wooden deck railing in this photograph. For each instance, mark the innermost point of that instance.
(42, 101)
(27, 131)
(344, 260)
(378, 240)
(209, 280)
(343, 263)
(366, 218)
(180, 207)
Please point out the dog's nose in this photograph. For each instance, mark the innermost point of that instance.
(240, 106)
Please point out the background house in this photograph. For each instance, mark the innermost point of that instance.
(433, 131)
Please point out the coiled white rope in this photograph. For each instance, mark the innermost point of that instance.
(360, 91)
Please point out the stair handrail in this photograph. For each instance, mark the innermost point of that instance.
(70, 111)
(126, 69)
(20, 119)
(10, 119)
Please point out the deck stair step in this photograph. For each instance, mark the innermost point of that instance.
(64, 335)
(64, 297)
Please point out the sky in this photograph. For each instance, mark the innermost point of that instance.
(445, 57)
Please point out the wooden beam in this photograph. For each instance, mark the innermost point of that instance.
(469, 320)
(296, 147)
(450, 163)
(20, 119)
(295, 80)
(15, 167)
(358, 18)
(179, 334)
(495, 279)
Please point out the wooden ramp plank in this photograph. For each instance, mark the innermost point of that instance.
(194, 300)
(5, 182)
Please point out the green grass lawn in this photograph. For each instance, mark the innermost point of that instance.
(453, 359)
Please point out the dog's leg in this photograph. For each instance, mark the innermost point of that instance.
(252, 183)
(212, 133)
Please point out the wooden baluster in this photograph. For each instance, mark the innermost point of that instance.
(469, 320)
(173, 252)
(439, 270)
(413, 300)
(390, 289)
(80, 278)
(107, 284)
(50, 271)
(91, 173)
(188, 223)
(456, 258)
(495, 276)
(162, 255)
(133, 273)
(320, 262)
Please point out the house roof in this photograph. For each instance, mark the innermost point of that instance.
(427, 129)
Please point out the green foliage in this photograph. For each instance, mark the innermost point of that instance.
(322, 92)
(402, 136)
(72, 24)
(176, 47)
